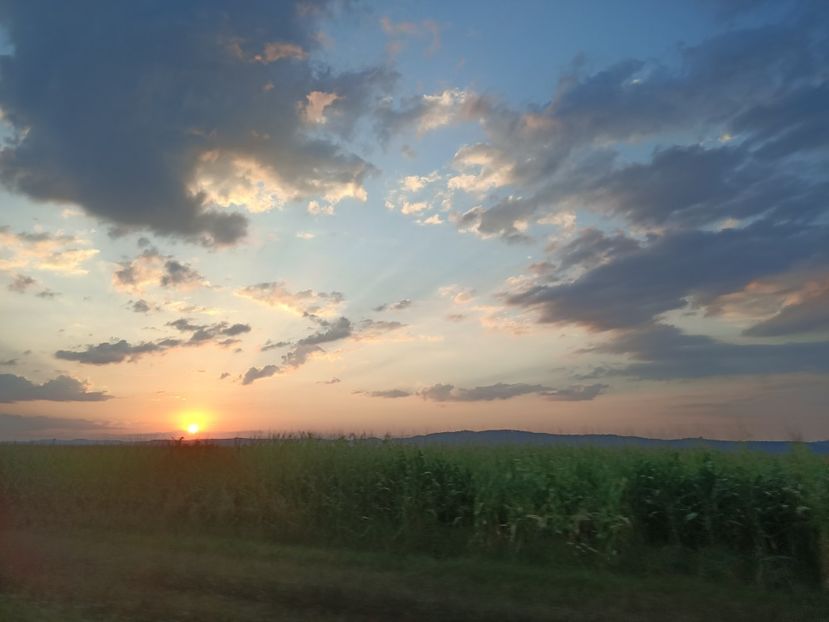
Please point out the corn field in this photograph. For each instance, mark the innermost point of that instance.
(757, 517)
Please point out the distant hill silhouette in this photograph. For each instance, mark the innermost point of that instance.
(520, 437)
(498, 437)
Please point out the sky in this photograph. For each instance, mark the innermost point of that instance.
(398, 218)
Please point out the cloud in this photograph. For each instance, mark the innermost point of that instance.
(140, 306)
(639, 285)
(664, 352)
(805, 316)
(434, 219)
(759, 88)
(505, 391)
(255, 373)
(499, 391)
(43, 251)
(313, 110)
(295, 357)
(425, 113)
(151, 268)
(331, 331)
(27, 426)
(576, 393)
(21, 283)
(209, 332)
(109, 352)
(459, 295)
(389, 394)
(61, 389)
(590, 248)
(127, 142)
(308, 347)
(274, 345)
(119, 351)
(275, 50)
(177, 274)
(405, 303)
(374, 330)
(694, 186)
(300, 354)
(331, 381)
(415, 195)
(276, 294)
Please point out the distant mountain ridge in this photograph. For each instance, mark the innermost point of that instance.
(502, 437)
(521, 437)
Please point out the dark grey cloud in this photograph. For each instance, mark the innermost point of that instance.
(119, 351)
(47, 294)
(175, 87)
(21, 283)
(61, 389)
(701, 265)
(505, 391)
(808, 316)
(236, 329)
(140, 306)
(331, 381)
(209, 332)
(590, 248)
(330, 331)
(663, 352)
(502, 220)
(27, 426)
(255, 373)
(714, 81)
(693, 186)
(299, 355)
(296, 357)
(394, 306)
(184, 325)
(794, 122)
(177, 273)
(9, 363)
(109, 352)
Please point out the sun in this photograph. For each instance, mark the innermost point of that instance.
(194, 421)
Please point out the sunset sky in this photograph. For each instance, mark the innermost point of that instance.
(401, 218)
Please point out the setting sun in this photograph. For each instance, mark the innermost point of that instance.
(194, 421)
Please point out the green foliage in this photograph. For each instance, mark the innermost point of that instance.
(758, 517)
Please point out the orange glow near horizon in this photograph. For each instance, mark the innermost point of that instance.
(193, 421)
